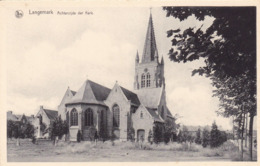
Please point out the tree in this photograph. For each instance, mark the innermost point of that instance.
(131, 134)
(10, 128)
(157, 133)
(19, 130)
(214, 136)
(58, 128)
(228, 47)
(198, 137)
(170, 129)
(150, 136)
(27, 130)
(180, 137)
(205, 138)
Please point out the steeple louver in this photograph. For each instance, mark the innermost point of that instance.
(150, 49)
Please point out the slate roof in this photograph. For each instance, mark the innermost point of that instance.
(155, 116)
(101, 92)
(131, 96)
(150, 49)
(150, 97)
(90, 93)
(51, 114)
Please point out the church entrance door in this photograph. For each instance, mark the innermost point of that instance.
(140, 135)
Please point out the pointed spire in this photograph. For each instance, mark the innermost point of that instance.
(150, 48)
(162, 61)
(137, 57)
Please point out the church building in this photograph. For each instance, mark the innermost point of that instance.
(113, 113)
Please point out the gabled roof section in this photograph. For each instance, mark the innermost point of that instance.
(101, 92)
(51, 113)
(155, 116)
(150, 49)
(131, 96)
(90, 93)
(67, 96)
(150, 97)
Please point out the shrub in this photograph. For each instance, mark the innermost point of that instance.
(205, 138)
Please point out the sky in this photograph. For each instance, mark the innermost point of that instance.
(47, 53)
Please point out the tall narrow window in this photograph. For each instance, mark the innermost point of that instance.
(116, 115)
(89, 117)
(148, 81)
(74, 117)
(143, 81)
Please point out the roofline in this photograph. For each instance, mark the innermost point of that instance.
(170, 116)
(85, 104)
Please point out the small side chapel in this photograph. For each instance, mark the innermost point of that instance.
(113, 112)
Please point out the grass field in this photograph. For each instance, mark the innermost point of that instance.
(45, 151)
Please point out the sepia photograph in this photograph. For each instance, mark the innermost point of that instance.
(129, 83)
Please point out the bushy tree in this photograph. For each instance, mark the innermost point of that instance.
(28, 130)
(217, 137)
(170, 129)
(180, 137)
(131, 134)
(157, 133)
(198, 137)
(10, 128)
(205, 138)
(214, 136)
(150, 136)
(19, 130)
(58, 128)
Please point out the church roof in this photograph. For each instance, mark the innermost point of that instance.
(131, 96)
(155, 116)
(51, 113)
(150, 97)
(100, 92)
(91, 93)
(169, 112)
(150, 49)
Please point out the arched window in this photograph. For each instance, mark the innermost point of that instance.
(148, 81)
(116, 115)
(141, 115)
(143, 81)
(89, 117)
(162, 112)
(74, 117)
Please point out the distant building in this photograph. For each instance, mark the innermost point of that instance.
(11, 116)
(44, 116)
(21, 118)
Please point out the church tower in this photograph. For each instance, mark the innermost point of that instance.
(149, 72)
